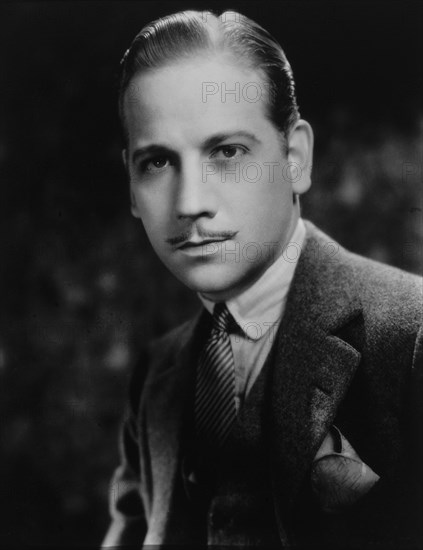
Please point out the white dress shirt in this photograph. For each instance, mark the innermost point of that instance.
(258, 312)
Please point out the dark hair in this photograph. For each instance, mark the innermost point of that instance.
(186, 33)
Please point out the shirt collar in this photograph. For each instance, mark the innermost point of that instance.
(262, 304)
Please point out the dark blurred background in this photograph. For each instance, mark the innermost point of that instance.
(80, 288)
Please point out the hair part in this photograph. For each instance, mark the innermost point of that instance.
(185, 34)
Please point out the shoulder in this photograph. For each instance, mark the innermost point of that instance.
(155, 357)
(386, 290)
(392, 306)
(161, 353)
(168, 345)
(386, 293)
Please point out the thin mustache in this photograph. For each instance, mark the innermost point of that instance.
(202, 234)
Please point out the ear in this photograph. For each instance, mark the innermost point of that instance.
(124, 160)
(134, 207)
(300, 156)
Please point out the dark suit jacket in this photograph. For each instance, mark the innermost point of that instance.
(348, 353)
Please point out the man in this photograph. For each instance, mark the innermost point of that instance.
(288, 412)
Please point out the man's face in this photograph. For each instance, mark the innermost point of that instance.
(208, 173)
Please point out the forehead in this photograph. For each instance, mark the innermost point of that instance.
(194, 98)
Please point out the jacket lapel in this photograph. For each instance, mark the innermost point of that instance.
(313, 367)
(168, 412)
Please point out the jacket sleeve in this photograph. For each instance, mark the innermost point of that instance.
(416, 433)
(128, 526)
(406, 495)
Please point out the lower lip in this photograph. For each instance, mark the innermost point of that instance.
(203, 251)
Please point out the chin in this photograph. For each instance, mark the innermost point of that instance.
(207, 285)
(219, 283)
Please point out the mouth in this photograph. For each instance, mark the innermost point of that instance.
(200, 243)
(203, 246)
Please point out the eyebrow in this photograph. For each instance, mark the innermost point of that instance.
(209, 143)
(214, 140)
(150, 150)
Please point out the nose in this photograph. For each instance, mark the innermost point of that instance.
(195, 197)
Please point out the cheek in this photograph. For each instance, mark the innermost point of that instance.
(153, 210)
(266, 204)
(153, 226)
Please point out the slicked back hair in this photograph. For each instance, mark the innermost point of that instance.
(186, 34)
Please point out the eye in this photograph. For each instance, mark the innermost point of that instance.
(228, 152)
(154, 164)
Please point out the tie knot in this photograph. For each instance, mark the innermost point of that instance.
(222, 319)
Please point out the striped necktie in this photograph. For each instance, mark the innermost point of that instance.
(215, 410)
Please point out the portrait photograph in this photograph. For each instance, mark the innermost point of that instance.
(211, 275)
